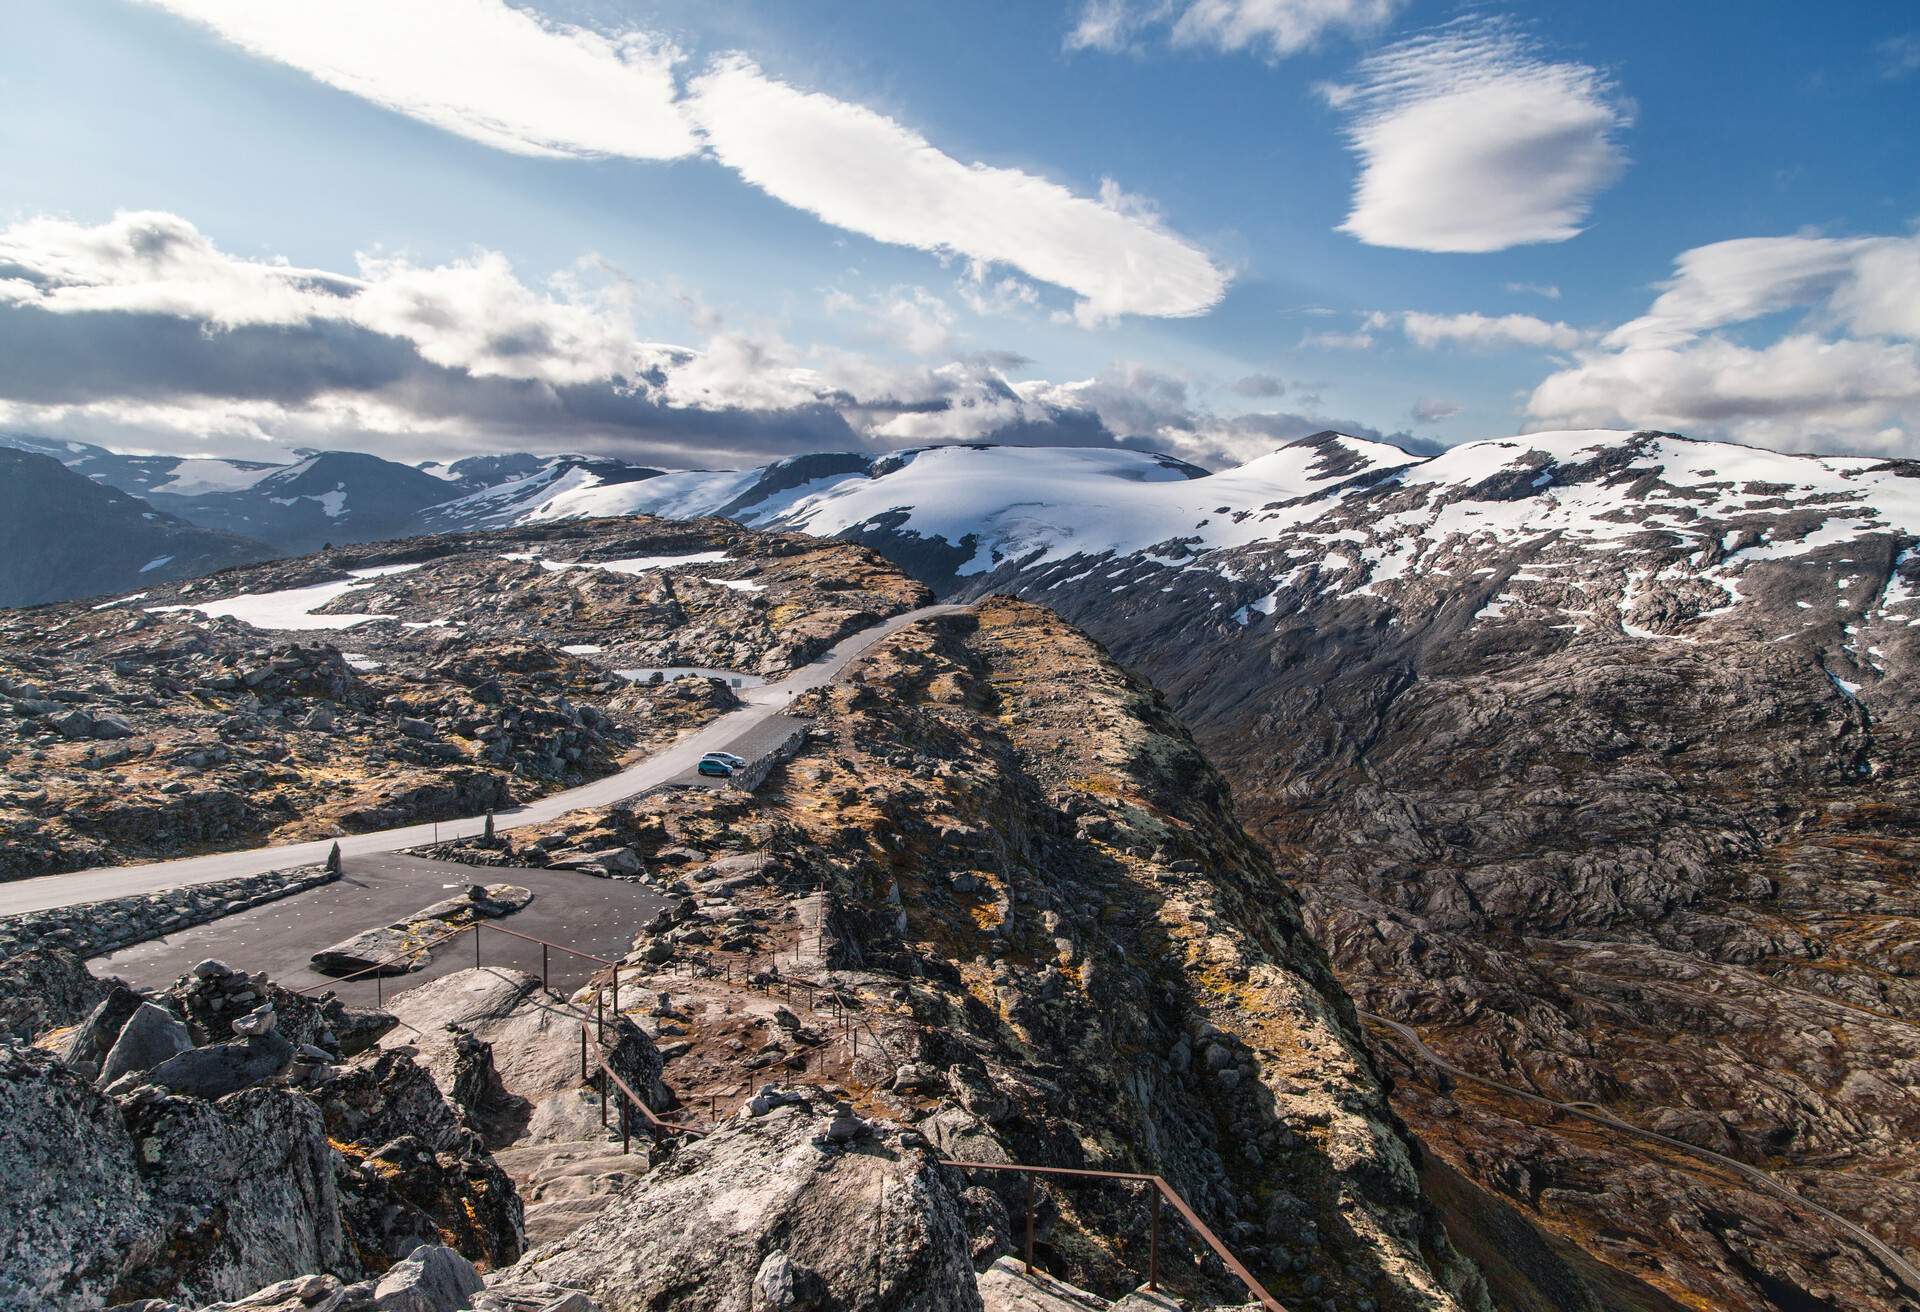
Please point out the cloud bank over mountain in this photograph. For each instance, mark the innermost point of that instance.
(142, 331)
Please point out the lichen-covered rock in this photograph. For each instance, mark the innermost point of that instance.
(242, 1188)
(102, 1202)
(74, 1212)
(764, 1205)
(407, 945)
(413, 1152)
(42, 990)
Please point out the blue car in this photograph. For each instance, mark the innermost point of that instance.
(715, 768)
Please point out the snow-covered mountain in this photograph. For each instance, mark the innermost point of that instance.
(64, 536)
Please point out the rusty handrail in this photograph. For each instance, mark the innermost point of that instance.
(1161, 1190)
(608, 1073)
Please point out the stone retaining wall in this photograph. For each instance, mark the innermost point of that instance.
(92, 928)
(754, 773)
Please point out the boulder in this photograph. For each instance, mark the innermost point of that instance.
(433, 1278)
(87, 1047)
(760, 1205)
(318, 1293)
(151, 1036)
(384, 951)
(222, 1068)
(74, 724)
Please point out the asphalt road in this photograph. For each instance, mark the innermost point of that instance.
(1898, 1266)
(674, 762)
(584, 912)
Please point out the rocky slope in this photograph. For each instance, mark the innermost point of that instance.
(996, 908)
(379, 685)
(999, 897)
(64, 536)
(201, 1141)
(1593, 758)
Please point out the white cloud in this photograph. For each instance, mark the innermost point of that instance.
(1338, 341)
(473, 314)
(1431, 409)
(514, 80)
(1279, 27)
(1488, 332)
(502, 76)
(1843, 374)
(1276, 28)
(912, 317)
(864, 172)
(1108, 25)
(1550, 291)
(1469, 141)
(141, 332)
(1867, 284)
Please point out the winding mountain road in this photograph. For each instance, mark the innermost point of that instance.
(1899, 1267)
(678, 758)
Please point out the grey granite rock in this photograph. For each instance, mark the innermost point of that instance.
(222, 1068)
(863, 1229)
(151, 1036)
(431, 1279)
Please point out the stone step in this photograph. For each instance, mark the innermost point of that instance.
(1006, 1287)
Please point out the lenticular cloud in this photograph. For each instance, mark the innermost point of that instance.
(1468, 141)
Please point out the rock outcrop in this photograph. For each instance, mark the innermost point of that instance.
(407, 945)
(770, 1212)
(106, 1202)
(200, 1142)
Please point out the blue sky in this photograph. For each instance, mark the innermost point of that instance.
(1210, 225)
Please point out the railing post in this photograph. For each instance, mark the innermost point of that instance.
(583, 1052)
(543, 969)
(616, 993)
(379, 989)
(1029, 1175)
(1153, 1241)
(476, 945)
(599, 1015)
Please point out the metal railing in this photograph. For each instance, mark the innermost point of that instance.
(1158, 1189)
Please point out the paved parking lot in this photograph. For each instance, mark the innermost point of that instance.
(584, 912)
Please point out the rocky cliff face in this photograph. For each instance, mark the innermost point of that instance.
(1000, 897)
(1593, 759)
(377, 686)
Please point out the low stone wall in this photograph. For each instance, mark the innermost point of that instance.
(92, 928)
(754, 773)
